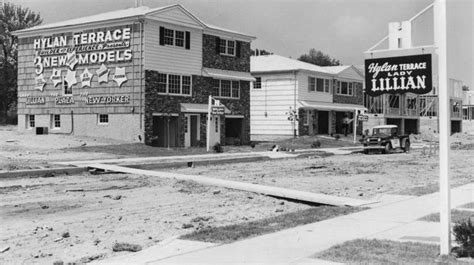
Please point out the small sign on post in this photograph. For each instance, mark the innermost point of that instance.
(363, 118)
(217, 110)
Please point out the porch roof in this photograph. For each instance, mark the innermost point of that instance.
(225, 74)
(330, 106)
(198, 108)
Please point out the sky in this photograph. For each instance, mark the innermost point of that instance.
(344, 29)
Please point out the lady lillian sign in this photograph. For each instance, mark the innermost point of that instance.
(398, 75)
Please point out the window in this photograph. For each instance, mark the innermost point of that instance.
(56, 121)
(179, 38)
(307, 119)
(176, 38)
(174, 84)
(169, 36)
(320, 85)
(257, 84)
(227, 47)
(31, 121)
(103, 118)
(311, 84)
(327, 85)
(345, 88)
(162, 81)
(226, 88)
(394, 101)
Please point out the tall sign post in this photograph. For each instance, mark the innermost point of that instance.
(208, 127)
(444, 126)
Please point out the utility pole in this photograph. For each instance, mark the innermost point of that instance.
(444, 126)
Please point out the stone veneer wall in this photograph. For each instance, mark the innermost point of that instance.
(211, 59)
(201, 89)
(357, 98)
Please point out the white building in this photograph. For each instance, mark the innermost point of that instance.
(321, 96)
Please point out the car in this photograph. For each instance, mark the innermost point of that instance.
(386, 138)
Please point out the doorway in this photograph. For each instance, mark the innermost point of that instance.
(165, 131)
(233, 131)
(323, 122)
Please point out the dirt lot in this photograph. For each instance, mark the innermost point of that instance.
(355, 175)
(99, 210)
(79, 218)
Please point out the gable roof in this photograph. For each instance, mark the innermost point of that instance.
(277, 63)
(142, 11)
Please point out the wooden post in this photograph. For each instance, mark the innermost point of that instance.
(208, 126)
(444, 127)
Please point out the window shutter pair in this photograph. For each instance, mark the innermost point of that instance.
(188, 40)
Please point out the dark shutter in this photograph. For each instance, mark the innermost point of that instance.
(188, 40)
(218, 44)
(162, 36)
(238, 45)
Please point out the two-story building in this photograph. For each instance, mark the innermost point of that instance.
(138, 74)
(320, 96)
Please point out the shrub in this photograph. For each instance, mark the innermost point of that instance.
(464, 236)
(252, 144)
(316, 144)
(337, 137)
(126, 247)
(218, 148)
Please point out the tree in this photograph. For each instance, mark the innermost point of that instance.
(465, 88)
(12, 18)
(318, 58)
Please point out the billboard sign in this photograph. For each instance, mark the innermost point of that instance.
(398, 75)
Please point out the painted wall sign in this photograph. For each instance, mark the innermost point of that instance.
(120, 77)
(35, 100)
(40, 82)
(64, 100)
(103, 46)
(104, 100)
(86, 78)
(56, 77)
(398, 75)
(103, 74)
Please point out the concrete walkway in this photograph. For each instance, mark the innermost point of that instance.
(395, 221)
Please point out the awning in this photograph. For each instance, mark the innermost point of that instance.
(224, 74)
(198, 108)
(331, 106)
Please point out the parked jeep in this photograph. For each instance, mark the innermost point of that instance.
(385, 138)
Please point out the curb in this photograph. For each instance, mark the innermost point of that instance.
(45, 172)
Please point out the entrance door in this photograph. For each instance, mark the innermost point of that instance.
(165, 130)
(194, 130)
(323, 122)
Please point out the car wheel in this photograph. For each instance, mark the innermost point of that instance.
(407, 146)
(387, 148)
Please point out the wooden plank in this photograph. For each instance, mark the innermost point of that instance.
(261, 189)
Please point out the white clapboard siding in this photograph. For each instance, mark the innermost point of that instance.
(274, 98)
(175, 16)
(172, 59)
(304, 94)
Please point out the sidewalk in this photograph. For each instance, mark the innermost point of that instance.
(395, 221)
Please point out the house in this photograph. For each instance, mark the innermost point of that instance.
(138, 74)
(468, 111)
(320, 96)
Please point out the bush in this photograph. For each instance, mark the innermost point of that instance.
(316, 144)
(218, 148)
(337, 137)
(126, 247)
(464, 236)
(252, 144)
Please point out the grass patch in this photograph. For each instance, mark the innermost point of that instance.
(456, 216)
(468, 205)
(420, 190)
(231, 233)
(365, 251)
